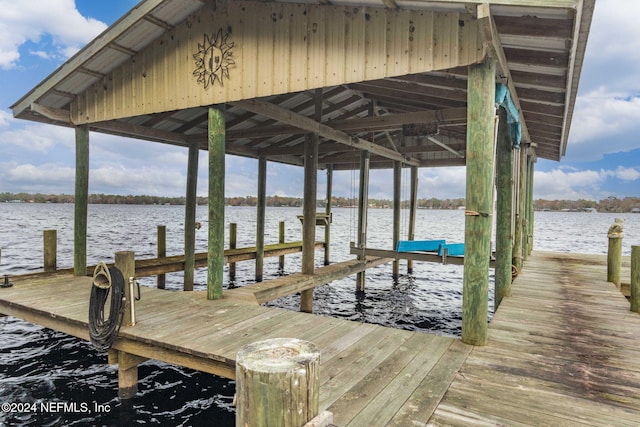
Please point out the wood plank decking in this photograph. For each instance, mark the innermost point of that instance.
(369, 374)
(563, 349)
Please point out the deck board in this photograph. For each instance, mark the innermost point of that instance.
(184, 328)
(562, 351)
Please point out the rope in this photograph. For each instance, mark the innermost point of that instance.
(103, 332)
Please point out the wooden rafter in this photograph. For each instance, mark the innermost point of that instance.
(281, 114)
(361, 124)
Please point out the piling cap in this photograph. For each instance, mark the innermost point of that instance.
(615, 231)
(278, 355)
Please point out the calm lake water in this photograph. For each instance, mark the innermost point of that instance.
(39, 365)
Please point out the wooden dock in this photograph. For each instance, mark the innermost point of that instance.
(563, 349)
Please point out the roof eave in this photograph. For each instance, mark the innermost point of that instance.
(583, 25)
(96, 45)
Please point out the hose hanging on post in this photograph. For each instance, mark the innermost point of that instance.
(103, 332)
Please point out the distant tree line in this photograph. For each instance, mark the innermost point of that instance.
(610, 204)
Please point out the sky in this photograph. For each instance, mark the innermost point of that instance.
(602, 160)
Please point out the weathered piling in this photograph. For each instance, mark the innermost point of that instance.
(81, 201)
(260, 217)
(413, 206)
(363, 198)
(281, 237)
(519, 232)
(614, 254)
(216, 142)
(233, 242)
(162, 253)
(504, 209)
(397, 186)
(277, 383)
(309, 216)
(50, 241)
(479, 201)
(327, 211)
(190, 219)
(127, 366)
(635, 279)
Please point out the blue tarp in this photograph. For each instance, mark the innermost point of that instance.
(503, 99)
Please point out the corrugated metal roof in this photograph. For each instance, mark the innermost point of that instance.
(543, 46)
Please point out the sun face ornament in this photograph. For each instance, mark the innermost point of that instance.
(213, 59)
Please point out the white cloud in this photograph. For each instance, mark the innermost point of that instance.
(627, 174)
(32, 178)
(5, 119)
(442, 183)
(571, 184)
(604, 123)
(24, 21)
(36, 138)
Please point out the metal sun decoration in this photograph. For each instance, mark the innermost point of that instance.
(213, 59)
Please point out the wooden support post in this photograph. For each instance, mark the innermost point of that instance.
(190, 219)
(162, 253)
(327, 211)
(215, 263)
(504, 235)
(479, 201)
(413, 207)
(125, 262)
(233, 242)
(81, 201)
(309, 204)
(127, 372)
(397, 186)
(520, 217)
(260, 217)
(363, 207)
(50, 240)
(635, 279)
(614, 254)
(281, 238)
(309, 216)
(530, 207)
(277, 383)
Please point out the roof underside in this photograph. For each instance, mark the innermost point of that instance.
(543, 48)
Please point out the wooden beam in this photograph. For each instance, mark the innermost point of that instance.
(445, 146)
(278, 113)
(119, 127)
(552, 4)
(361, 124)
(55, 114)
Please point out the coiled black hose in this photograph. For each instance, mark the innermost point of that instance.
(103, 332)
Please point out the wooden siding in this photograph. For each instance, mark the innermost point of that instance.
(280, 48)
